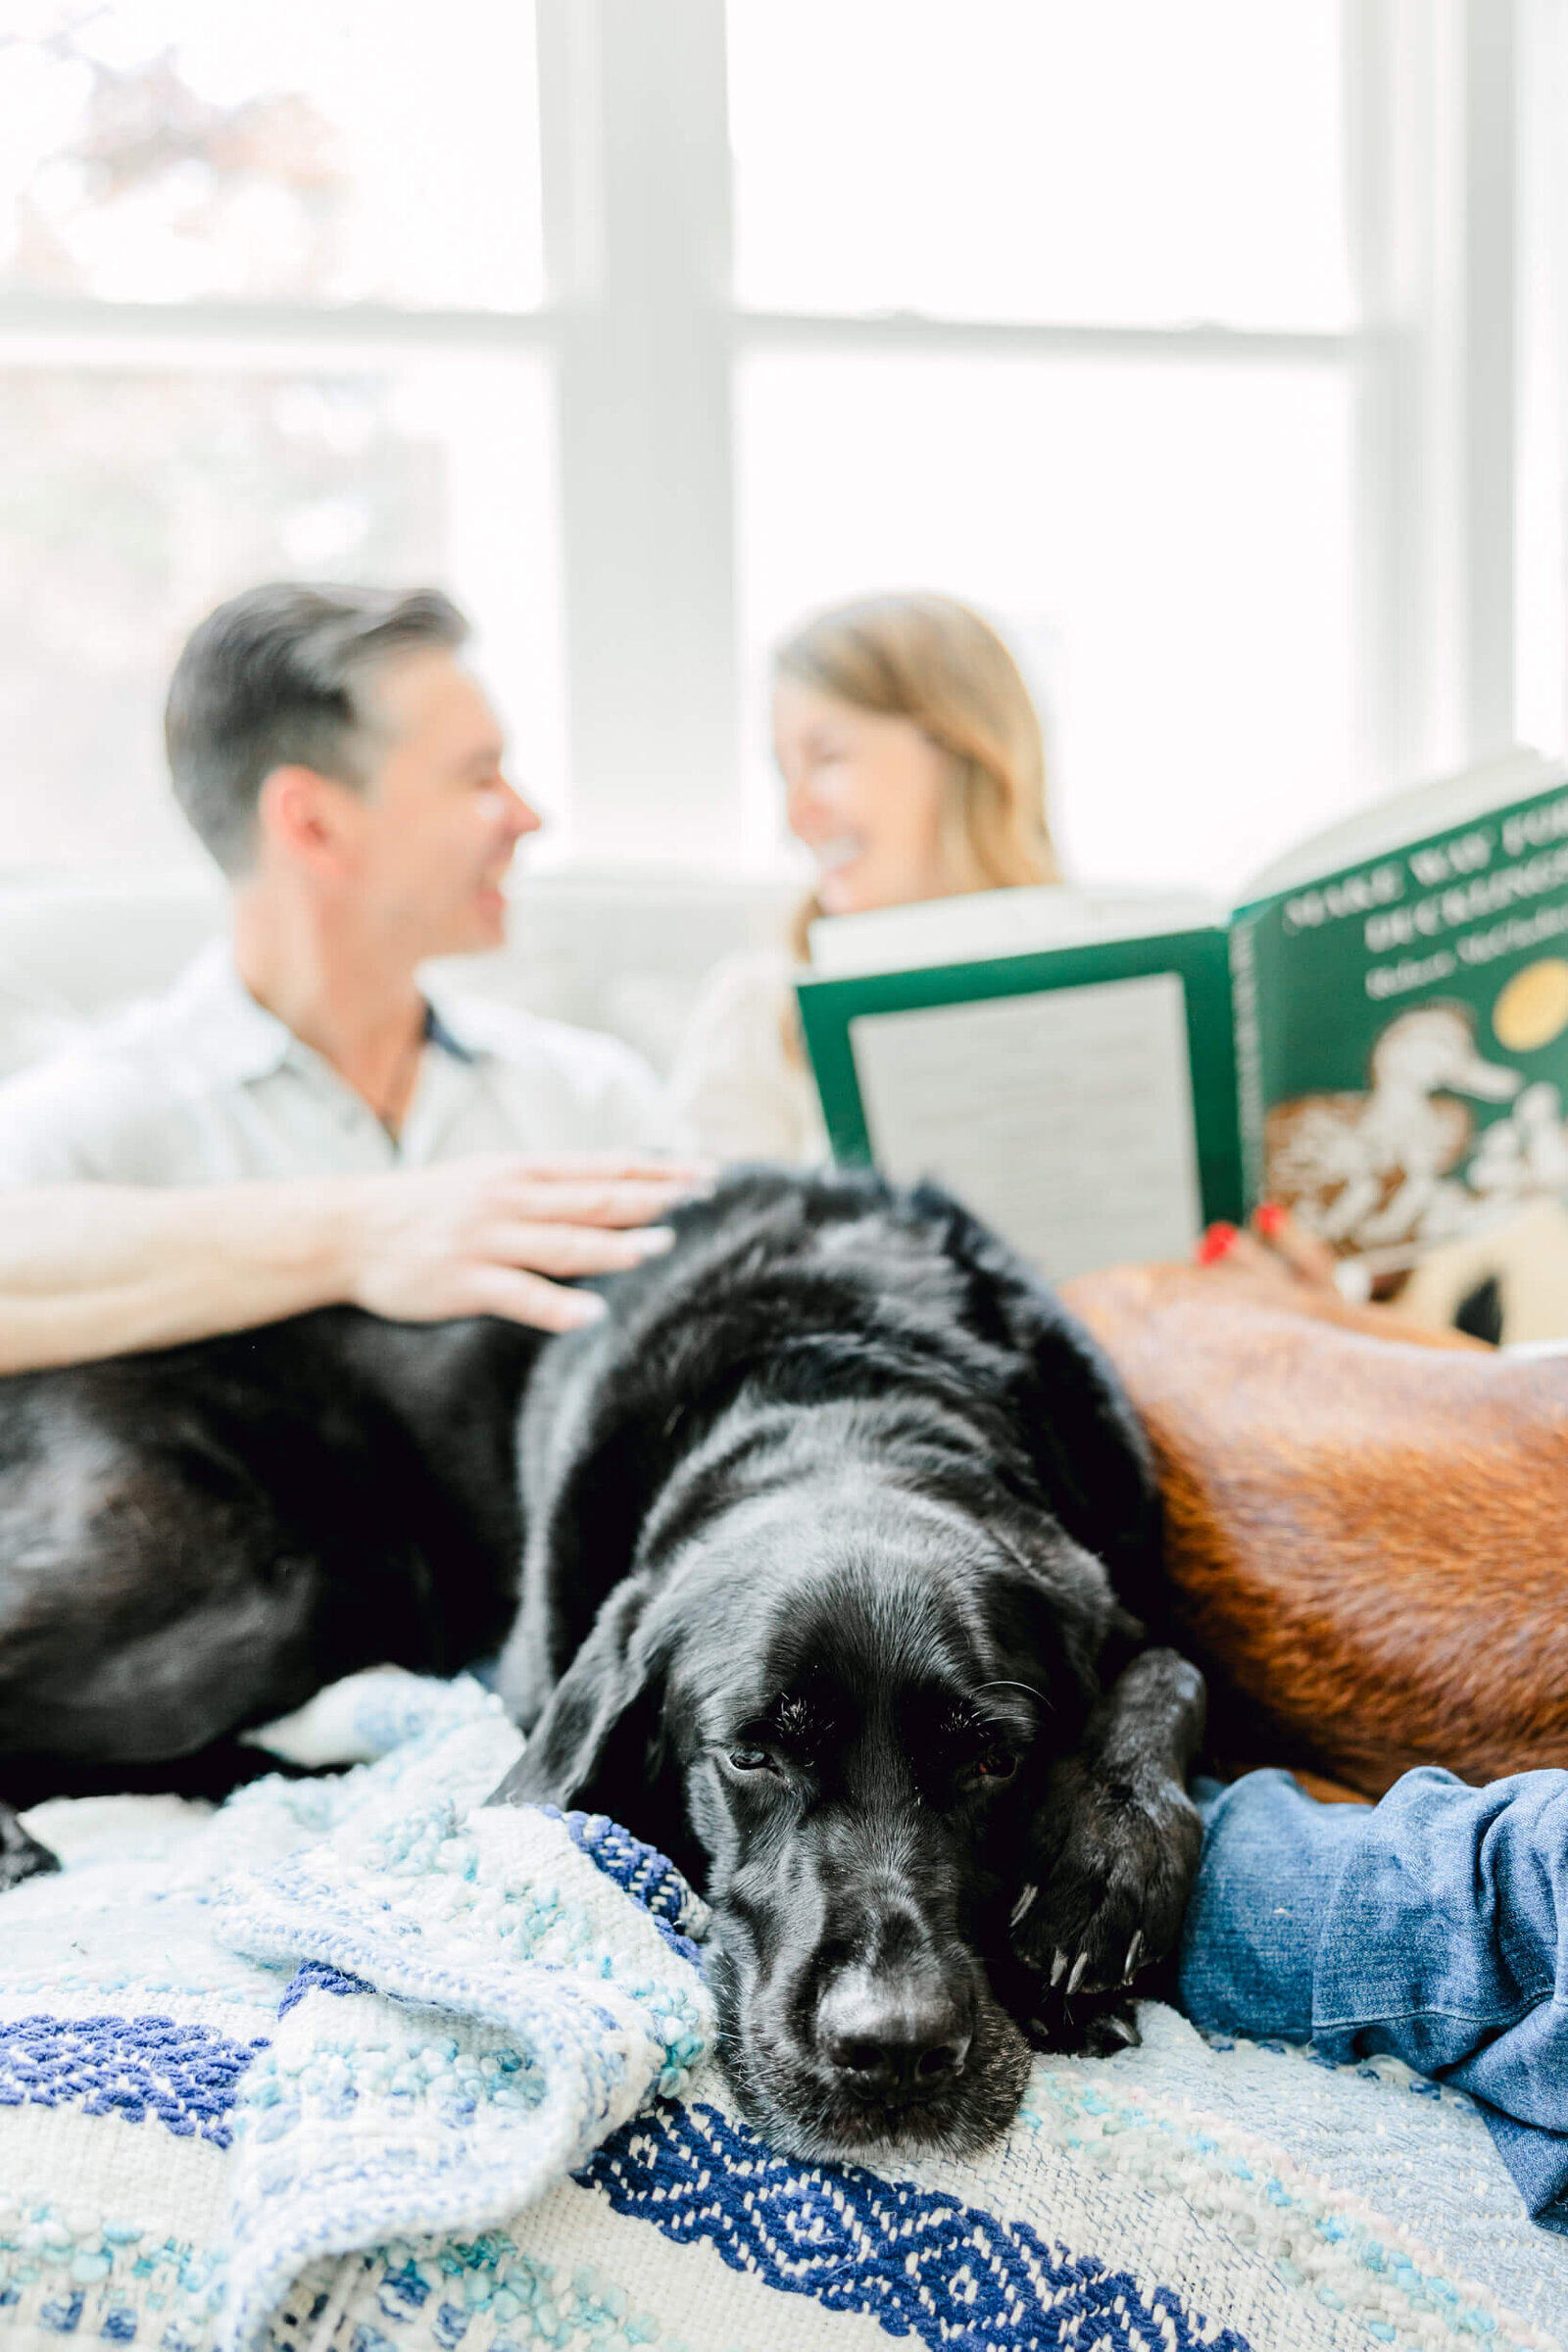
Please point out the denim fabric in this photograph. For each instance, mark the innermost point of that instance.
(1432, 1926)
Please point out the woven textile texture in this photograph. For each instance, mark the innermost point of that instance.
(357, 2062)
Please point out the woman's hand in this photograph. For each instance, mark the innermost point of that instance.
(1272, 1246)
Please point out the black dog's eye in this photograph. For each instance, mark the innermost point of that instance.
(988, 1771)
(751, 1759)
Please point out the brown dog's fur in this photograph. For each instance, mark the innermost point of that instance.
(1367, 1525)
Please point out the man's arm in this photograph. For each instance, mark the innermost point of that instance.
(94, 1269)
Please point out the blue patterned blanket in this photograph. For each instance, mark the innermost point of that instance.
(353, 2064)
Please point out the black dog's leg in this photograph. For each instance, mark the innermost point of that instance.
(1114, 1852)
(216, 1771)
(212, 1773)
(21, 1856)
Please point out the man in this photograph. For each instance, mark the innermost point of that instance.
(345, 770)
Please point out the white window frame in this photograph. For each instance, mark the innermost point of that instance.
(1433, 105)
(644, 335)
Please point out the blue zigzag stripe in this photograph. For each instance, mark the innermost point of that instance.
(638, 1870)
(921, 2263)
(132, 2067)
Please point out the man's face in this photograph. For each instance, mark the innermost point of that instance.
(430, 838)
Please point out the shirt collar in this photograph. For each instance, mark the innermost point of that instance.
(227, 1034)
(438, 1032)
(230, 1036)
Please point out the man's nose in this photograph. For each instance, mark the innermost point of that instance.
(521, 816)
(894, 2035)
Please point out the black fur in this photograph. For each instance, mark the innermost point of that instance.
(834, 1526)
(834, 1529)
(193, 1542)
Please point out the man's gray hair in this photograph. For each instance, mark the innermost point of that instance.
(275, 678)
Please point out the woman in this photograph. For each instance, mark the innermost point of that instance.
(913, 769)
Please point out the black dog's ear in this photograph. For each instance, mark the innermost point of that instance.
(1089, 1453)
(600, 1744)
(1087, 1446)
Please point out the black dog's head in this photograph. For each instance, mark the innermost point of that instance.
(839, 1709)
(817, 1519)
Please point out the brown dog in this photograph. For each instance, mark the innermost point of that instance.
(1367, 1525)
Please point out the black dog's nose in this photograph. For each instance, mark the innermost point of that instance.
(890, 2039)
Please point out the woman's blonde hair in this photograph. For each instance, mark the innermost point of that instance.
(931, 659)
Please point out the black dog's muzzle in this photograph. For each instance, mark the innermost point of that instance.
(895, 2038)
(896, 1998)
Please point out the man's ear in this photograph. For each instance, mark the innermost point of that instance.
(600, 1745)
(305, 817)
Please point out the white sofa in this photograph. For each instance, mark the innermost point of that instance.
(625, 954)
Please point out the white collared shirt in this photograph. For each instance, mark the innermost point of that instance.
(203, 1086)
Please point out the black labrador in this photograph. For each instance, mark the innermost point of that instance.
(834, 1529)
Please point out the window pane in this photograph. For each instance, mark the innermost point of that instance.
(1153, 161)
(1541, 507)
(133, 501)
(167, 150)
(1167, 549)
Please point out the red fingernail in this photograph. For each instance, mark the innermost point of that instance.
(1269, 1219)
(1215, 1243)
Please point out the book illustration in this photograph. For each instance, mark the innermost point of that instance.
(1525, 1153)
(1373, 1169)
(1532, 1009)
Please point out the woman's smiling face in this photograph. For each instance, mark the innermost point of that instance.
(870, 797)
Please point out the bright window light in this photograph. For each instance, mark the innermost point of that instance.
(175, 150)
(1127, 161)
(1169, 549)
(132, 498)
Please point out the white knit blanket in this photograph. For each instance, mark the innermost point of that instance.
(357, 2062)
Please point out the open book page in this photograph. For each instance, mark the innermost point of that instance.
(997, 922)
(1407, 817)
(1063, 1118)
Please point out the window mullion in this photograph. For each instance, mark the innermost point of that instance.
(1490, 360)
(1434, 113)
(636, 207)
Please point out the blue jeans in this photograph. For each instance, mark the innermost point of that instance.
(1432, 1927)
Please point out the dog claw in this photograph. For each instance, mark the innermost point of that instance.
(1122, 2029)
(1135, 1953)
(1022, 1908)
(1078, 1967)
(1058, 1968)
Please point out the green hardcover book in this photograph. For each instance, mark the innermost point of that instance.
(1378, 1037)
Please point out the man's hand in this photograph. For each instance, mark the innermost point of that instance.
(499, 1236)
(98, 1269)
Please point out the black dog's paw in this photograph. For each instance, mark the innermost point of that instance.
(1097, 2027)
(21, 1856)
(1109, 2029)
(1110, 1868)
